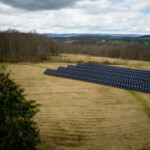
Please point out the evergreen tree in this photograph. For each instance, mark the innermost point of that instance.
(17, 129)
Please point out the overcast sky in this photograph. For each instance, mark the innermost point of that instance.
(76, 16)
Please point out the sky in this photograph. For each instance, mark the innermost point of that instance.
(76, 16)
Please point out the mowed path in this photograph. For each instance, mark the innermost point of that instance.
(77, 115)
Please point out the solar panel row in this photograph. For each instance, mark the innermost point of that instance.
(122, 70)
(119, 68)
(110, 73)
(138, 80)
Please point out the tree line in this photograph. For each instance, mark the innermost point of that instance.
(33, 47)
(132, 51)
(28, 47)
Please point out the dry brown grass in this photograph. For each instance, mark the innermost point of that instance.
(78, 115)
(75, 58)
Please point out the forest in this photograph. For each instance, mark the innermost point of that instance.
(125, 51)
(32, 47)
(26, 47)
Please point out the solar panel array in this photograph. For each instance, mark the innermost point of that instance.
(132, 79)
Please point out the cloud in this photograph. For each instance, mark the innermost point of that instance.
(33, 5)
(132, 5)
(85, 16)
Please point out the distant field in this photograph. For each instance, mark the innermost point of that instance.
(68, 41)
(77, 115)
(147, 42)
(76, 58)
(115, 37)
(118, 42)
(145, 38)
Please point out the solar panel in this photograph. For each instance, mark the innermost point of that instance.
(103, 72)
(133, 79)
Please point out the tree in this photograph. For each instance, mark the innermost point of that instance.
(17, 129)
(25, 47)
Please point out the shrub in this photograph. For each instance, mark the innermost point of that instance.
(17, 129)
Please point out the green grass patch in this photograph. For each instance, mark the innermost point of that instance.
(147, 42)
(118, 42)
(133, 42)
(141, 101)
(68, 41)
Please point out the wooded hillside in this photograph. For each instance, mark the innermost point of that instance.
(15, 46)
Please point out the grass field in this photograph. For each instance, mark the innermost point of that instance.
(68, 41)
(118, 42)
(145, 38)
(76, 115)
(147, 42)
